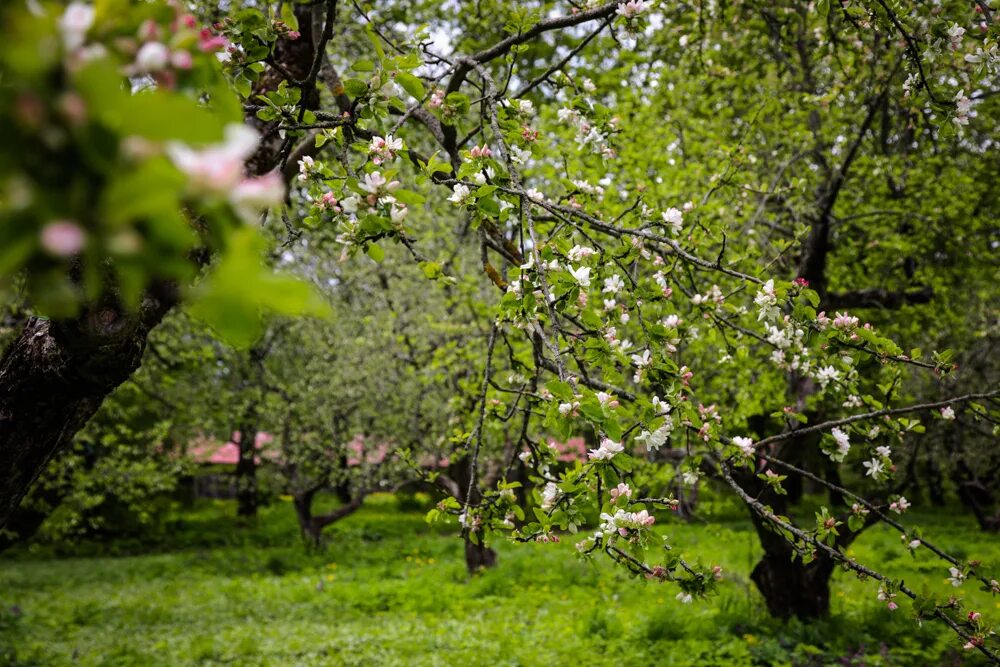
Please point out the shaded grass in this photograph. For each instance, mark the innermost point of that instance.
(390, 590)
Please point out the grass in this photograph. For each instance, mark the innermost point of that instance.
(391, 590)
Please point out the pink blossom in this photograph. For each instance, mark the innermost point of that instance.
(845, 321)
(254, 194)
(73, 107)
(329, 202)
(481, 151)
(63, 238)
(643, 518)
(207, 42)
(149, 30)
(631, 9)
(622, 490)
(218, 168)
(185, 21)
(182, 60)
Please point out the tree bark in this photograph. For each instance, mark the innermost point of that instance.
(303, 512)
(791, 588)
(55, 375)
(246, 473)
(478, 556)
(312, 526)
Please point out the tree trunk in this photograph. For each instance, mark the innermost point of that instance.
(55, 375)
(312, 526)
(303, 512)
(935, 482)
(688, 499)
(246, 473)
(478, 556)
(791, 588)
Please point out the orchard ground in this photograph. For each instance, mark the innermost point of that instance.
(390, 590)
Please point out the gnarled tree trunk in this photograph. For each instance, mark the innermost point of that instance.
(312, 526)
(55, 375)
(478, 556)
(791, 588)
(246, 473)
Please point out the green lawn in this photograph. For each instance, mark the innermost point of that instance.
(390, 590)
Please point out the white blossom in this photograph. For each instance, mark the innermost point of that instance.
(74, 24)
(549, 496)
(875, 468)
(843, 444)
(826, 375)
(745, 445)
(607, 451)
(581, 276)
(631, 9)
(614, 284)
(152, 57)
(674, 218)
(460, 194)
(767, 301)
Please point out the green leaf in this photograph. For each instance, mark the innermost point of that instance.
(240, 289)
(561, 390)
(459, 102)
(375, 40)
(355, 87)
(408, 197)
(489, 206)
(146, 191)
(288, 15)
(375, 252)
(432, 270)
(613, 429)
(411, 84)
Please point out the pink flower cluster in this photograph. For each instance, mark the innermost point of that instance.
(217, 171)
(165, 51)
(845, 321)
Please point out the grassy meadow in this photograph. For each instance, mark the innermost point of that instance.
(390, 590)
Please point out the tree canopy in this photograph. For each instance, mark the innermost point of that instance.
(747, 244)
